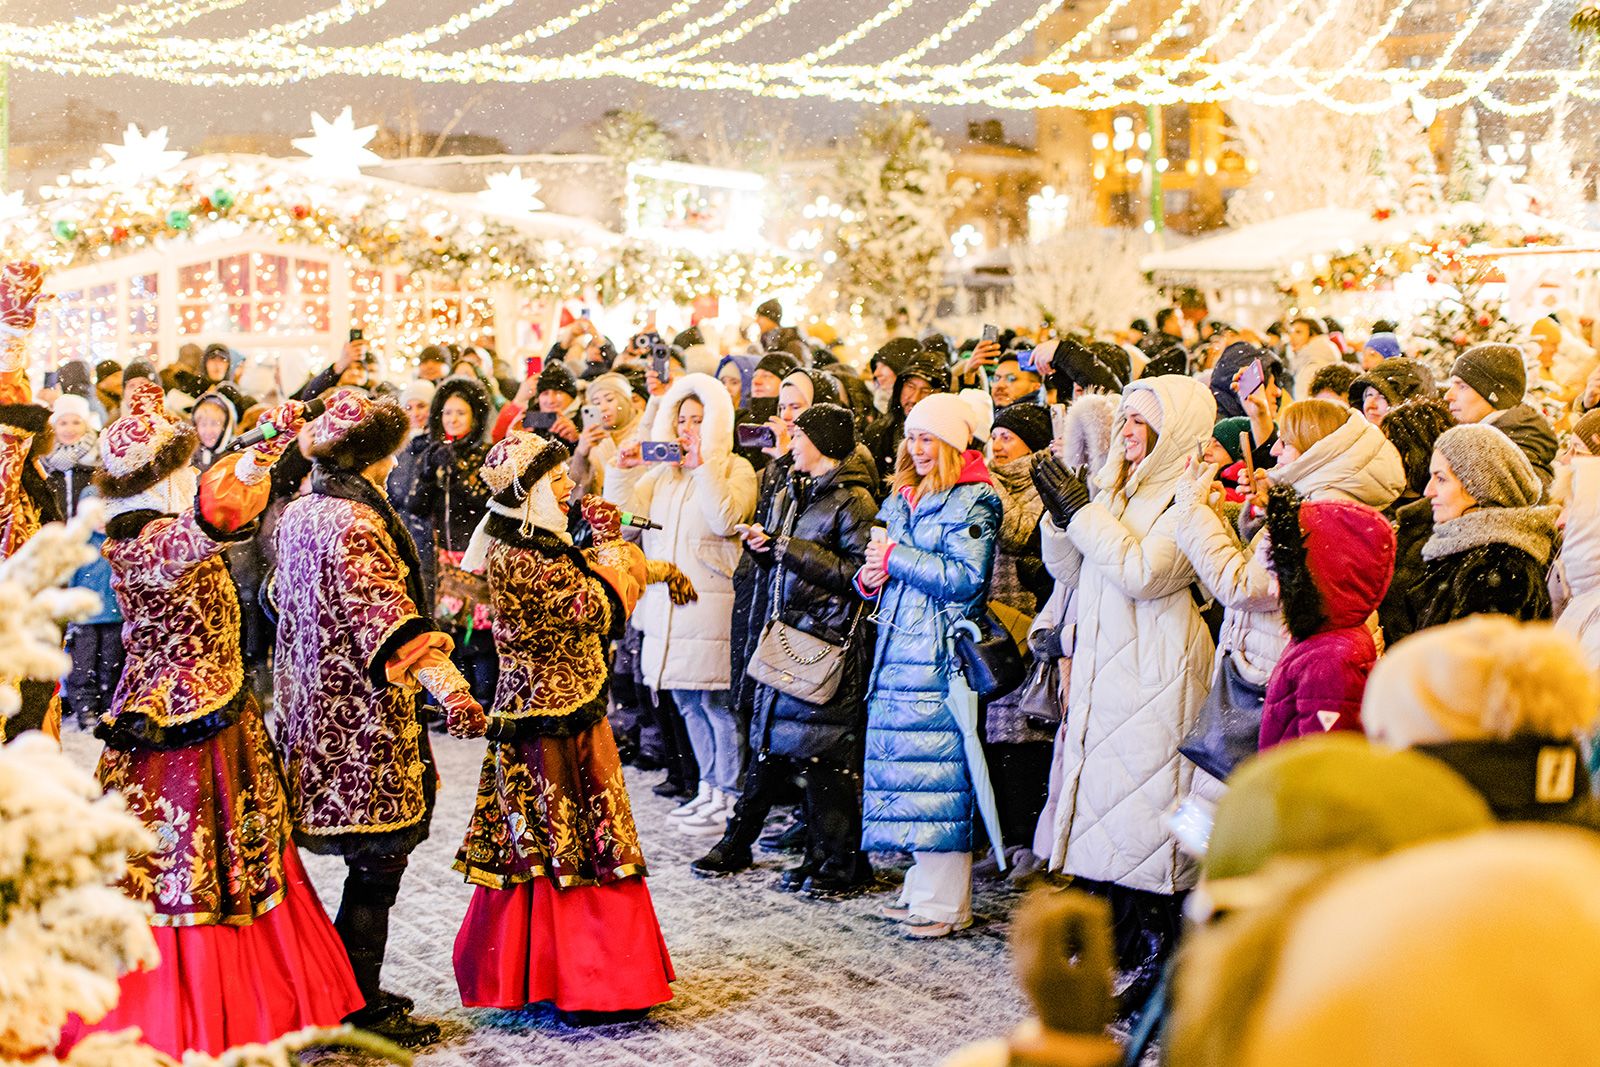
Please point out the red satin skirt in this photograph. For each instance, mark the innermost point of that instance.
(583, 948)
(218, 986)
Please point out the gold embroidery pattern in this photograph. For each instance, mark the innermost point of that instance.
(182, 622)
(219, 817)
(549, 621)
(552, 807)
(351, 748)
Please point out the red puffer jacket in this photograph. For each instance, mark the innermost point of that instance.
(1334, 561)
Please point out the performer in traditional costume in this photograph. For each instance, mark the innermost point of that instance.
(25, 499)
(247, 953)
(355, 646)
(561, 912)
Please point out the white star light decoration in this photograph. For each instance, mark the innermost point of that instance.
(139, 157)
(338, 149)
(509, 193)
(12, 207)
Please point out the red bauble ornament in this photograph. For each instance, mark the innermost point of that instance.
(205, 205)
(300, 211)
(1484, 321)
(119, 234)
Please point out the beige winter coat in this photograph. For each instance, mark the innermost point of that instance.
(1141, 663)
(686, 646)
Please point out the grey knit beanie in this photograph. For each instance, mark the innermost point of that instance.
(1490, 466)
(1495, 372)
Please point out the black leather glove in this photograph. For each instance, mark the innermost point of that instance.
(1061, 491)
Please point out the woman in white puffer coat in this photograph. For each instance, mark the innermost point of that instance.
(1141, 661)
(697, 502)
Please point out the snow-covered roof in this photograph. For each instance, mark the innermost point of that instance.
(1269, 248)
(1273, 249)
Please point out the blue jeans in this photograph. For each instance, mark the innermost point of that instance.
(716, 735)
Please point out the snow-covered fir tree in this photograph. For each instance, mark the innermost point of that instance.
(1466, 182)
(893, 182)
(1552, 177)
(1084, 280)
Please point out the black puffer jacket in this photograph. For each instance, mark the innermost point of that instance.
(449, 487)
(1530, 431)
(751, 590)
(829, 523)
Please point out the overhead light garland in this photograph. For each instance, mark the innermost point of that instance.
(676, 48)
(379, 224)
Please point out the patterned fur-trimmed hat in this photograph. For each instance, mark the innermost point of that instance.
(143, 446)
(519, 460)
(355, 431)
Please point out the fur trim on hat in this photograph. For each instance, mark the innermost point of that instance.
(29, 418)
(1302, 604)
(379, 434)
(172, 454)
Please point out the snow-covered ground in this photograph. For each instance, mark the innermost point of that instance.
(763, 977)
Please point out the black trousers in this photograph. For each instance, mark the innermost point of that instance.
(370, 888)
(683, 770)
(1021, 776)
(475, 657)
(97, 658)
(831, 804)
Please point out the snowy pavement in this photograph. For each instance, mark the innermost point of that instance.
(763, 977)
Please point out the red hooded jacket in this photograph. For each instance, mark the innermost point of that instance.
(1334, 561)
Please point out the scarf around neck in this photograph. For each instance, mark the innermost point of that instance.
(1530, 529)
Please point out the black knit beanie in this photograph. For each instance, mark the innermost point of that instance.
(556, 376)
(780, 363)
(830, 427)
(1030, 422)
(1495, 372)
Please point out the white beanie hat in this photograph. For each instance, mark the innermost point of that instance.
(945, 416)
(71, 404)
(419, 389)
(1145, 404)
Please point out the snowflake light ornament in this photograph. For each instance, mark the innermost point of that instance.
(338, 149)
(509, 193)
(140, 157)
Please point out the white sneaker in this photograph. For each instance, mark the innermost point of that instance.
(711, 820)
(695, 804)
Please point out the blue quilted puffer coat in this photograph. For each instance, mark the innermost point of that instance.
(918, 797)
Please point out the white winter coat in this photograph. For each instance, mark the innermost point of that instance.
(686, 646)
(1318, 352)
(1580, 558)
(1141, 663)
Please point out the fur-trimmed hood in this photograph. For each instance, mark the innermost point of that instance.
(477, 397)
(1088, 431)
(716, 429)
(1334, 560)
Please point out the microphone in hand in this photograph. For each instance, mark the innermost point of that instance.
(266, 431)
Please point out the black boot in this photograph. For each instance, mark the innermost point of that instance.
(723, 859)
(791, 838)
(370, 889)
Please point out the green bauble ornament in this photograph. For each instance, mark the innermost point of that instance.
(178, 219)
(223, 199)
(64, 230)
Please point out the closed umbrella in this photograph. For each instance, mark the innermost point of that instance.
(963, 705)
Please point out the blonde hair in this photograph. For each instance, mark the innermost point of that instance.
(1305, 422)
(945, 474)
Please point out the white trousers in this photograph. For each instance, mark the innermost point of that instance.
(939, 886)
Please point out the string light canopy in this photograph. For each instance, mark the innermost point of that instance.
(687, 45)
